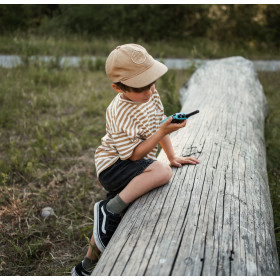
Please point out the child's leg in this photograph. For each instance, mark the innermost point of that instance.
(85, 267)
(108, 212)
(93, 251)
(155, 175)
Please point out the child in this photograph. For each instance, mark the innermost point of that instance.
(126, 160)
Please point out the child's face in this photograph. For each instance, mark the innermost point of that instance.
(142, 97)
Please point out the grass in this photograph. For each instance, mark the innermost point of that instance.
(63, 45)
(51, 121)
(271, 84)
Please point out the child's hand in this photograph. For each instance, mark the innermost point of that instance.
(178, 161)
(168, 127)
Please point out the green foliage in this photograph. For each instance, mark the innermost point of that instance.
(15, 17)
(272, 16)
(271, 84)
(133, 21)
(84, 46)
(243, 24)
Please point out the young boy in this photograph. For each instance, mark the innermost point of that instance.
(126, 160)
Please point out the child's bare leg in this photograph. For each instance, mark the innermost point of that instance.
(155, 175)
(93, 251)
(85, 267)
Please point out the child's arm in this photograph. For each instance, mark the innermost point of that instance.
(146, 146)
(174, 160)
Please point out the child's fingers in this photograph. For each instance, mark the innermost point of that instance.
(167, 122)
(194, 159)
(180, 125)
(169, 127)
(177, 164)
(184, 123)
(191, 160)
(184, 160)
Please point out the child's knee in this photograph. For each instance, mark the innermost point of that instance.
(168, 172)
(164, 171)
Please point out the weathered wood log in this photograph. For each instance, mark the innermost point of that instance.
(214, 218)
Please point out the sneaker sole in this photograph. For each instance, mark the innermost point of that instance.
(73, 272)
(96, 236)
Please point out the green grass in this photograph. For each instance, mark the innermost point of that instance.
(63, 45)
(271, 84)
(51, 121)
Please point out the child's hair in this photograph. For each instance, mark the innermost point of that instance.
(127, 88)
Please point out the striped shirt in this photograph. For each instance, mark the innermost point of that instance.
(128, 123)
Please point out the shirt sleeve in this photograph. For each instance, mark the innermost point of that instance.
(125, 142)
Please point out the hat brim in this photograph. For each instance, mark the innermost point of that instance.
(153, 73)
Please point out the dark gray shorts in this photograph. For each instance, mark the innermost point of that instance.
(116, 177)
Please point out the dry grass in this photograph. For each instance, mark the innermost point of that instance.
(51, 122)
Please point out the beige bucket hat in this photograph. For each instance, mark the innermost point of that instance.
(131, 65)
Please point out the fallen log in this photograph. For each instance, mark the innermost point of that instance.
(214, 218)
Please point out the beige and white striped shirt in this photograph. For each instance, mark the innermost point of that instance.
(128, 123)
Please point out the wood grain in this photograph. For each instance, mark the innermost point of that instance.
(214, 218)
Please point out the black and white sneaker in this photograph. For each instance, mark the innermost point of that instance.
(79, 270)
(105, 224)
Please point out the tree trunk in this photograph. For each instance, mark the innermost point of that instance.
(214, 218)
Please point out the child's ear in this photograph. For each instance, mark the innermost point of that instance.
(116, 88)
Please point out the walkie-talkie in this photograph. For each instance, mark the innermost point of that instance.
(180, 117)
